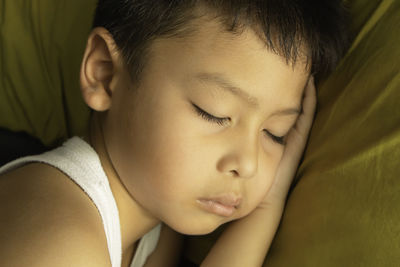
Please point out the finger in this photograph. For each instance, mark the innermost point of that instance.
(296, 143)
(310, 98)
(309, 103)
(298, 137)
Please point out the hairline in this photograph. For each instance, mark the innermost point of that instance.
(237, 27)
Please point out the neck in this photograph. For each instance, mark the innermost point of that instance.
(134, 219)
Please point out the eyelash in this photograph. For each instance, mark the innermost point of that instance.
(222, 121)
(277, 139)
(209, 117)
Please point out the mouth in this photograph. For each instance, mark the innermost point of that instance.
(223, 206)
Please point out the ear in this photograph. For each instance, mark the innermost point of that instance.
(98, 69)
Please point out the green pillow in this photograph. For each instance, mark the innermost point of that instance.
(42, 43)
(344, 209)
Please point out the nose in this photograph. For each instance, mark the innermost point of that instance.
(241, 160)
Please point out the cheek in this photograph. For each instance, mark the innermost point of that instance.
(177, 170)
(169, 161)
(258, 187)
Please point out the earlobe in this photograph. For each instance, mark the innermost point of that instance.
(98, 70)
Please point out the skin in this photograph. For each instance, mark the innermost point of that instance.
(161, 156)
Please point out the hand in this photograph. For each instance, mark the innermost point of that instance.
(295, 144)
(246, 241)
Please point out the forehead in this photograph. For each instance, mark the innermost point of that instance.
(242, 58)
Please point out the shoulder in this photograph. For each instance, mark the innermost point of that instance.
(47, 220)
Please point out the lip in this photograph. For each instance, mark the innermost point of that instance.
(224, 205)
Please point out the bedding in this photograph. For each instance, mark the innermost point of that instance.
(42, 43)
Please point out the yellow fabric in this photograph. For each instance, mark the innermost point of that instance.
(344, 210)
(42, 42)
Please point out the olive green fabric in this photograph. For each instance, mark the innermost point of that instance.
(42, 43)
(344, 210)
(360, 12)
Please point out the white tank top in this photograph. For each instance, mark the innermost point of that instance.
(79, 161)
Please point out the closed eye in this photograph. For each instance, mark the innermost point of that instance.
(277, 139)
(222, 121)
(208, 117)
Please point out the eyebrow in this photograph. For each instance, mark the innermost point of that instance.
(227, 85)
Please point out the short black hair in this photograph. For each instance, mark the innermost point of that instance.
(285, 25)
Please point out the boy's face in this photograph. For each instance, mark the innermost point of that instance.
(185, 167)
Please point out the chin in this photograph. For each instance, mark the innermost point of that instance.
(196, 226)
(196, 231)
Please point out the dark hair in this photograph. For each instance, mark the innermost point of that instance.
(287, 26)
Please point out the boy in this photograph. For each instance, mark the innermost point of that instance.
(201, 113)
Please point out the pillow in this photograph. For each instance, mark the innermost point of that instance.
(42, 43)
(344, 209)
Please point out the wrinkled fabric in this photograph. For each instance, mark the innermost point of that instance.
(41, 48)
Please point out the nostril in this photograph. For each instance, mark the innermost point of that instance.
(234, 173)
